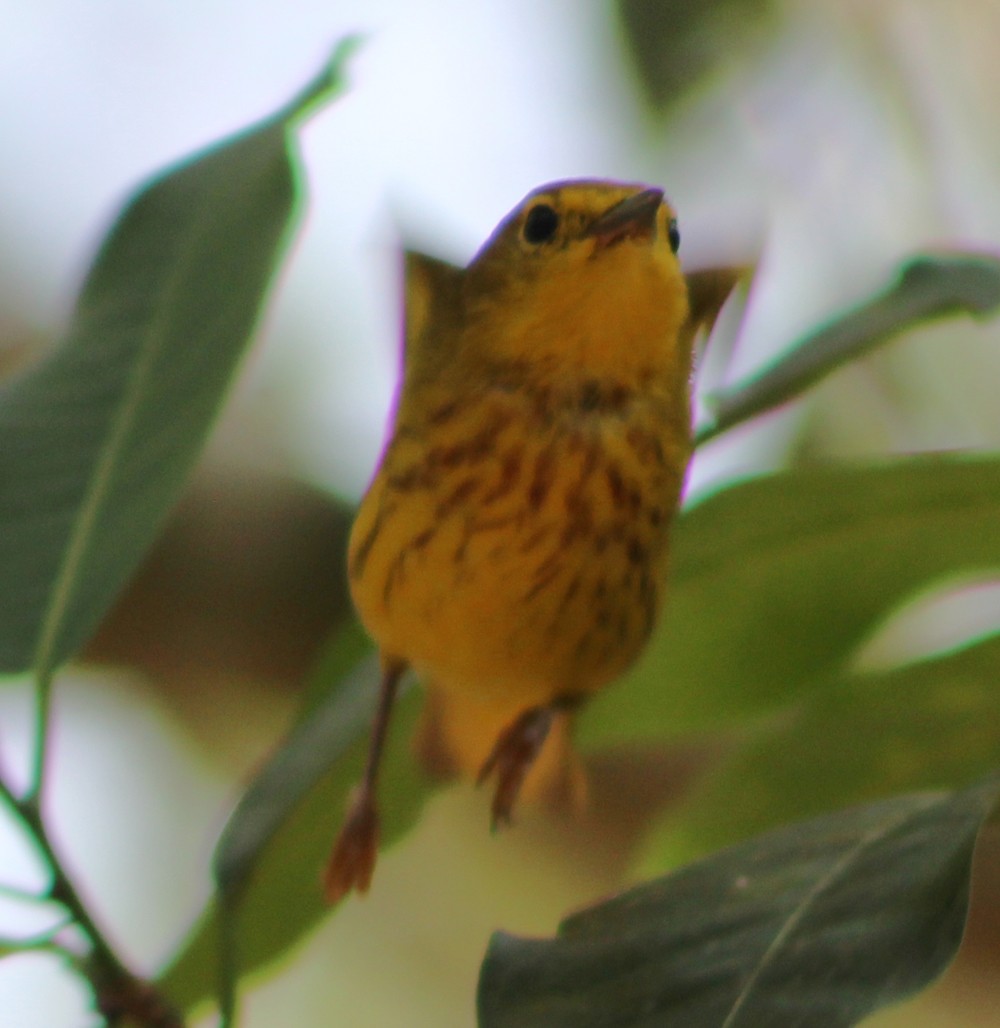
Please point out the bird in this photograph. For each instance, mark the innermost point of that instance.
(512, 546)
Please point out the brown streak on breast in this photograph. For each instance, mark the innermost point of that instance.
(416, 476)
(456, 497)
(545, 574)
(510, 471)
(616, 484)
(398, 566)
(361, 554)
(543, 409)
(535, 539)
(472, 449)
(493, 524)
(591, 458)
(635, 551)
(590, 395)
(542, 478)
(615, 398)
(443, 414)
(570, 591)
(646, 446)
(419, 541)
(579, 517)
(395, 572)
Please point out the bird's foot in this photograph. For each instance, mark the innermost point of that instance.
(511, 758)
(352, 860)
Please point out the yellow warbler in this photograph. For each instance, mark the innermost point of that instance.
(512, 546)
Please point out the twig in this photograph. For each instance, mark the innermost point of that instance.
(44, 941)
(118, 992)
(15, 892)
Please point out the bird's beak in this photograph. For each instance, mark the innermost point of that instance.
(632, 218)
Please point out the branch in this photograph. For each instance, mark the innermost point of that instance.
(118, 992)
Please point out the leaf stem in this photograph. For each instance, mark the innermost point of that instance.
(39, 759)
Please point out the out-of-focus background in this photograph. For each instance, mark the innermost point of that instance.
(822, 139)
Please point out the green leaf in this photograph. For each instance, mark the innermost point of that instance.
(96, 441)
(862, 736)
(269, 860)
(776, 582)
(926, 287)
(816, 924)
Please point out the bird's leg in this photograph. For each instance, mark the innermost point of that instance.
(515, 751)
(352, 860)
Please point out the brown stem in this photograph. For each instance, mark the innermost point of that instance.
(118, 992)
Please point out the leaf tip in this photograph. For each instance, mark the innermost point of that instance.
(328, 82)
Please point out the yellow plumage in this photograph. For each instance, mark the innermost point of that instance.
(512, 546)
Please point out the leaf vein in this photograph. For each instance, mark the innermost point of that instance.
(872, 837)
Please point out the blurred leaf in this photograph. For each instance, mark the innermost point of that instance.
(816, 924)
(776, 582)
(96, 441)
(272, 852)
(343, 655)
(862, 736)
(926, 287)
(675, 43)
(319, 738)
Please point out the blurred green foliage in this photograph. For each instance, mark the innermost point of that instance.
(676, 43)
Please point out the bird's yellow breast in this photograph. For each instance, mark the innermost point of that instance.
(513, 542)
(517, 552)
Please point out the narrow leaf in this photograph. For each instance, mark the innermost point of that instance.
(96, 441)
(298, 765)
(816, 924)
(926, 287)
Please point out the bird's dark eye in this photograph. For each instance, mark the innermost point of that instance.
(541, 223)
(674, 235)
